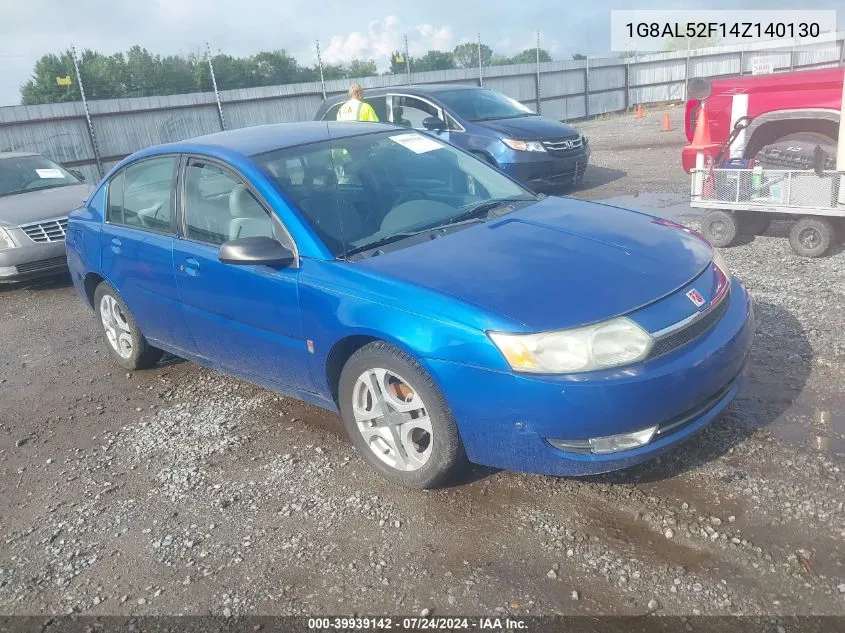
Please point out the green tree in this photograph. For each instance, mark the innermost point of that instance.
(360, 68)
(466, 55)
(42, 86)
(273, 68)
(398, 63)
(529, 56)
(433, 60)
(578, 56)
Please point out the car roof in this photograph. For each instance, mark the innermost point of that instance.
(17, 154)
(258, 139)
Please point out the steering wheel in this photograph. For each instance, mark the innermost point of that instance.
(408, 196)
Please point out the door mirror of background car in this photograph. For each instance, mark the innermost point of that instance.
(256, 251)
(77, 173)
(433, 124)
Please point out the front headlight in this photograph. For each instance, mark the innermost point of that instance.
(6, 240)
(612, 343)
(524, 146)
(721, 264)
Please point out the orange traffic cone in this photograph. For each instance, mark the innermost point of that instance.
(667, 124)
(701, 139)
(639, 111)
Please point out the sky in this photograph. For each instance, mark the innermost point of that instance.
(372, 29)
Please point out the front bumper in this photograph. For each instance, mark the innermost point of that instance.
(506, 419)
(32, 260)
(545, 172)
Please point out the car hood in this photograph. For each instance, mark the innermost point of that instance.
(555, 264)
(530, 128)
(46, 204)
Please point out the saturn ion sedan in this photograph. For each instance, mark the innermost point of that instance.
(448, 314)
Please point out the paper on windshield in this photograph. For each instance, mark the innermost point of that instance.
(49, 173)
(416, 142)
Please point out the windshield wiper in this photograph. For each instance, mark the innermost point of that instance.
(405, 234)
(485, 207)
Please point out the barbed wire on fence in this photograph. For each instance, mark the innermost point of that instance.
(204, 92)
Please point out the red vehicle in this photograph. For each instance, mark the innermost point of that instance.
(790, 114)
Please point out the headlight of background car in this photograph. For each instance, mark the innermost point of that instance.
(524, 146)
(6, 240)
(612, 343)
(720, 262)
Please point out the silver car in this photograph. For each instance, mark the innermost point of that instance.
(36, 196)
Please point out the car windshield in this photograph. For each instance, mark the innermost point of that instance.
(19, 174)
(483, 105)
(360, 192)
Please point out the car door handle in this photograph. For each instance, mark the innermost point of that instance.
(115, 245)
(190, 266)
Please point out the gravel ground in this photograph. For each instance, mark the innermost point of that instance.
(181, 491)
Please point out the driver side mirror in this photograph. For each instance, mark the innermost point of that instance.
(77, 173)
(433, 124)
(256, 251)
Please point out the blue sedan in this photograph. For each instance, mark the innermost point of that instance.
(446, 312)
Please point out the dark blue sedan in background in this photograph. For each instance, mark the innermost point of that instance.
(445, 311)
(542, 154)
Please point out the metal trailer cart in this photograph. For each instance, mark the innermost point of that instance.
(745, 201)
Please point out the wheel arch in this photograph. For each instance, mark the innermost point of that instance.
(771, 126)
(343, 349)
(90, 283)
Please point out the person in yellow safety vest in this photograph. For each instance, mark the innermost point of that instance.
(356, 109)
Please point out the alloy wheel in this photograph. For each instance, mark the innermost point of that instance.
(116, 326)
(392, 418)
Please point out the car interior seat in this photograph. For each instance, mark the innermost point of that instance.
(248, 217)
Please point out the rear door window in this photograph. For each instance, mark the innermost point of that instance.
(141, 195)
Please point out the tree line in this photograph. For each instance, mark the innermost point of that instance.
(139, 73)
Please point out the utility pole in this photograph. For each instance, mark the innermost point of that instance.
(214, 85)
(538, 72)
(407, 60)
(320, 64)
(480, 65)
(88, 119)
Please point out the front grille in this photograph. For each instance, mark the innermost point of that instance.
(44, 264)
(46, 231)
(686, 335)
(563, 146)
(677, 423)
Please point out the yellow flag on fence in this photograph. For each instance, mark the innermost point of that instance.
(64, 81)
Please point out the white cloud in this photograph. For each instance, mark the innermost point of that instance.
(385, 36)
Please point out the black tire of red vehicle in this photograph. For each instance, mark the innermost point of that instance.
(447, 457)
(720, 228)
(812, 236)
(143, 355)
(753, 222)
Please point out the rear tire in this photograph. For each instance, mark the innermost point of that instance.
(126, 343)
(720, 228)
(812, 236)
(397, 418)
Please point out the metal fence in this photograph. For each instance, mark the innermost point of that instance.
(92, 136)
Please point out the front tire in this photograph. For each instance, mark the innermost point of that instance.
(720, 228)
(397, 419)
(126, 343)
